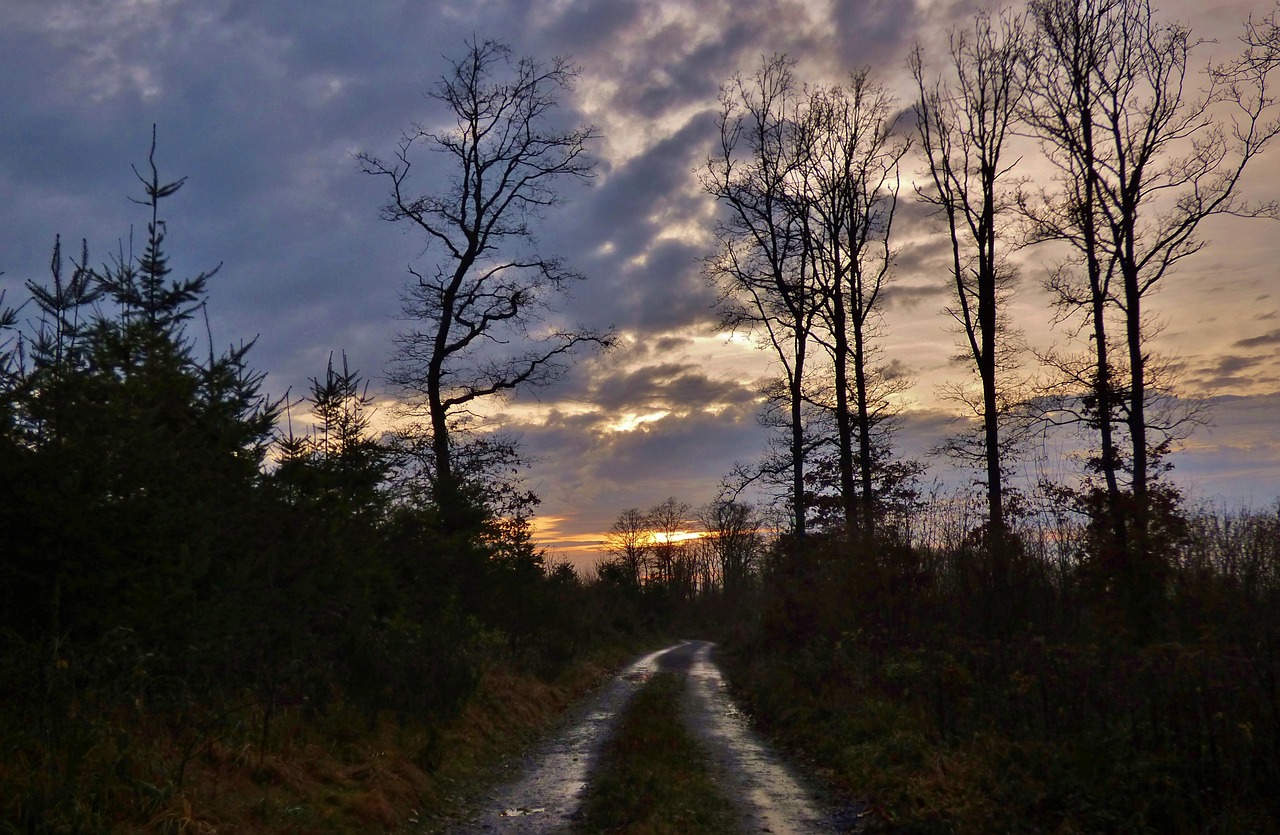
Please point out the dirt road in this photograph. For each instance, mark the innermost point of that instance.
(769, 795)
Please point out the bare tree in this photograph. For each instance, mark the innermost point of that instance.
(480, 330)
(1151, 160)
(1060, 110)
(762, 268)
(850, 180)
(733, 542)
(667, 520)
(628, 541)
(965, 125)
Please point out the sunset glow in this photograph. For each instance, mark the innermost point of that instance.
(262, 114)
(660, 538)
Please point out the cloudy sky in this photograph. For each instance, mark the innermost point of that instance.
(262, 105)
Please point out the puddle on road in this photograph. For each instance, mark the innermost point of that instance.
(516, 813)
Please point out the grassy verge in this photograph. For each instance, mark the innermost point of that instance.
(330, 772)
(654, 778)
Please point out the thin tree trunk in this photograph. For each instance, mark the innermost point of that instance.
(991, 418)
(844, 428)
(1141, 578)
(797, 442)
(987, 361)
(445, 486)
(867, 498)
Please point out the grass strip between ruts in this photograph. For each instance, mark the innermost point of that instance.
(653, 777)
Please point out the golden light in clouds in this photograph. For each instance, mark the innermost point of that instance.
(584, 550)
(630, 421)
(676, 537)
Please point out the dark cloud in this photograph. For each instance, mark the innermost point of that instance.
(615, 385)
(1231, 372)
(581, 24)
(644, 280)
(630, 203)
(910, 296)
(261, 106)
(1237, 457)
(1264, 340)
(585, 463)
(896, 369)
(668, 344)
(1229, 365)
(923, 264)
(650, 431)
(875, 32)
(675, 387)
(606, 472)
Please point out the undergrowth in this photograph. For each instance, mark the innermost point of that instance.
(934, 746)
(212, 768)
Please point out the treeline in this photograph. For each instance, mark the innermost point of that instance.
(1080, 128)
(180, 565)
(1086, 655)
(681, 558)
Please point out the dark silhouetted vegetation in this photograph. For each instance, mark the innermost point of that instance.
(1090, 655)
(219, 609)
(208, 591)
(901, 674)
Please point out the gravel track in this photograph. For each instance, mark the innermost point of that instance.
(769, 795)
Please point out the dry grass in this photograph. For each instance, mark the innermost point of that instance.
(654, 778)
(336, 772)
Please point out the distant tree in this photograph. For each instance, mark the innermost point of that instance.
(628, 542)
(965, 124)
(666, 520)
(479, 309)
(734, 541)
(338, 463)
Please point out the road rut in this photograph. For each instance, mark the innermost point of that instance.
(769, 795)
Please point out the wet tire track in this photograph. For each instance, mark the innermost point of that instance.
(769, 795)
(549, 792)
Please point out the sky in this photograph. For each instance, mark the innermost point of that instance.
(263, 105)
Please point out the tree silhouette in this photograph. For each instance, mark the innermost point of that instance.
(965, 124)
(628, 541)
(480, 330)
(850, 183)
(1143, 162)
(763, 267)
